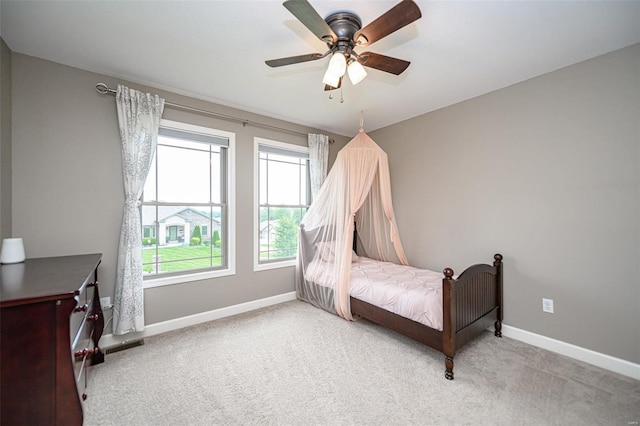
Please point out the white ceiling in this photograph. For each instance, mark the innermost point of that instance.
(215, 50)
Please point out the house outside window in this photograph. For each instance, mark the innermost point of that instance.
(149, 232)
(282, 197)
(189, 189)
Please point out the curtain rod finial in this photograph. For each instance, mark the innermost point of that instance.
(102, 88)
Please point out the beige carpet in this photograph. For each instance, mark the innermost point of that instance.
(293, 364)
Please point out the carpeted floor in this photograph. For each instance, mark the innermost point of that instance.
(293, 364)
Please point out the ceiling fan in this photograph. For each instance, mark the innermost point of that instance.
(342, 32)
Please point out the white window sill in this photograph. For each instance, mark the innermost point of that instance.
(274, 265)
(180, 279)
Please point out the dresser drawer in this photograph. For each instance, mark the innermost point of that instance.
(84, 310)
(84, 345)
(83, 354)
(78, 316)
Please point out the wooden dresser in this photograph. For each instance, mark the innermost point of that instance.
(50, 325)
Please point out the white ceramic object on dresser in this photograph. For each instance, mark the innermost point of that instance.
(12, 251)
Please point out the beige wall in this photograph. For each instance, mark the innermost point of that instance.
(547, 173)
(68, 188)
(5, 140)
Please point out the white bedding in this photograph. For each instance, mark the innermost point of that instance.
(404, 290)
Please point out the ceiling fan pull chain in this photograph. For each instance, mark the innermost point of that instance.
(341, 99)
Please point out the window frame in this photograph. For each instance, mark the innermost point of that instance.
(230, 167)
(257, 142)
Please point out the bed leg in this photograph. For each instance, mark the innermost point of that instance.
(498, 265)
(448, 363)
(498, 326)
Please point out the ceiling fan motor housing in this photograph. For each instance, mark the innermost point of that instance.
(344, 24)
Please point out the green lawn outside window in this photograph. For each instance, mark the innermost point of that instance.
(196, 257)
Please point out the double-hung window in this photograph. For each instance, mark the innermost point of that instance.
(283, 195)
(187, 205)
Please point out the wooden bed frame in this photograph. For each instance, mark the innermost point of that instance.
(470, 303)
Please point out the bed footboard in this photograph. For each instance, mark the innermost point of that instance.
(471, 303)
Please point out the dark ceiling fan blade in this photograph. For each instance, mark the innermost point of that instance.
(306, 14)
(395, 18)
(383, 63)
(293, 59)
(328, 88)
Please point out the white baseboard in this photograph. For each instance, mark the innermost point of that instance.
(110, 340)
(598, 359)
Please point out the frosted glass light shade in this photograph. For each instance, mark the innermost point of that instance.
(356, 72)
(331, 79)
(12, 250)
(337, 68)
(338, 64)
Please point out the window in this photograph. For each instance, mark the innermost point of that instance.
(283, 195)
(187, 197)
(149, 232)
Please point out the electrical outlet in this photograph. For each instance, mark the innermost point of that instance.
(547, 305)
(105, 303)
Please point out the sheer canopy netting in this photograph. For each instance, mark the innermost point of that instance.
(357, 189)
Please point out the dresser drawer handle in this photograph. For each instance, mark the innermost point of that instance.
(93, 317)
(82, 308)
(93, 284)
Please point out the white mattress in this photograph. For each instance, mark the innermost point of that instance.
(404, 290)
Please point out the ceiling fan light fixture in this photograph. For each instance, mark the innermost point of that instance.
(331, 79)
(342, 31)
(337, 68)
(338, 64)
(356, 72)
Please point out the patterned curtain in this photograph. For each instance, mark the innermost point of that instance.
(139, 119)
(318, 160)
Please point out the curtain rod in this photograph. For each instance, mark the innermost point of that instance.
(103, 89)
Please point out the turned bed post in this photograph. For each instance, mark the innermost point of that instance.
(498, 264)
(449, 322)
